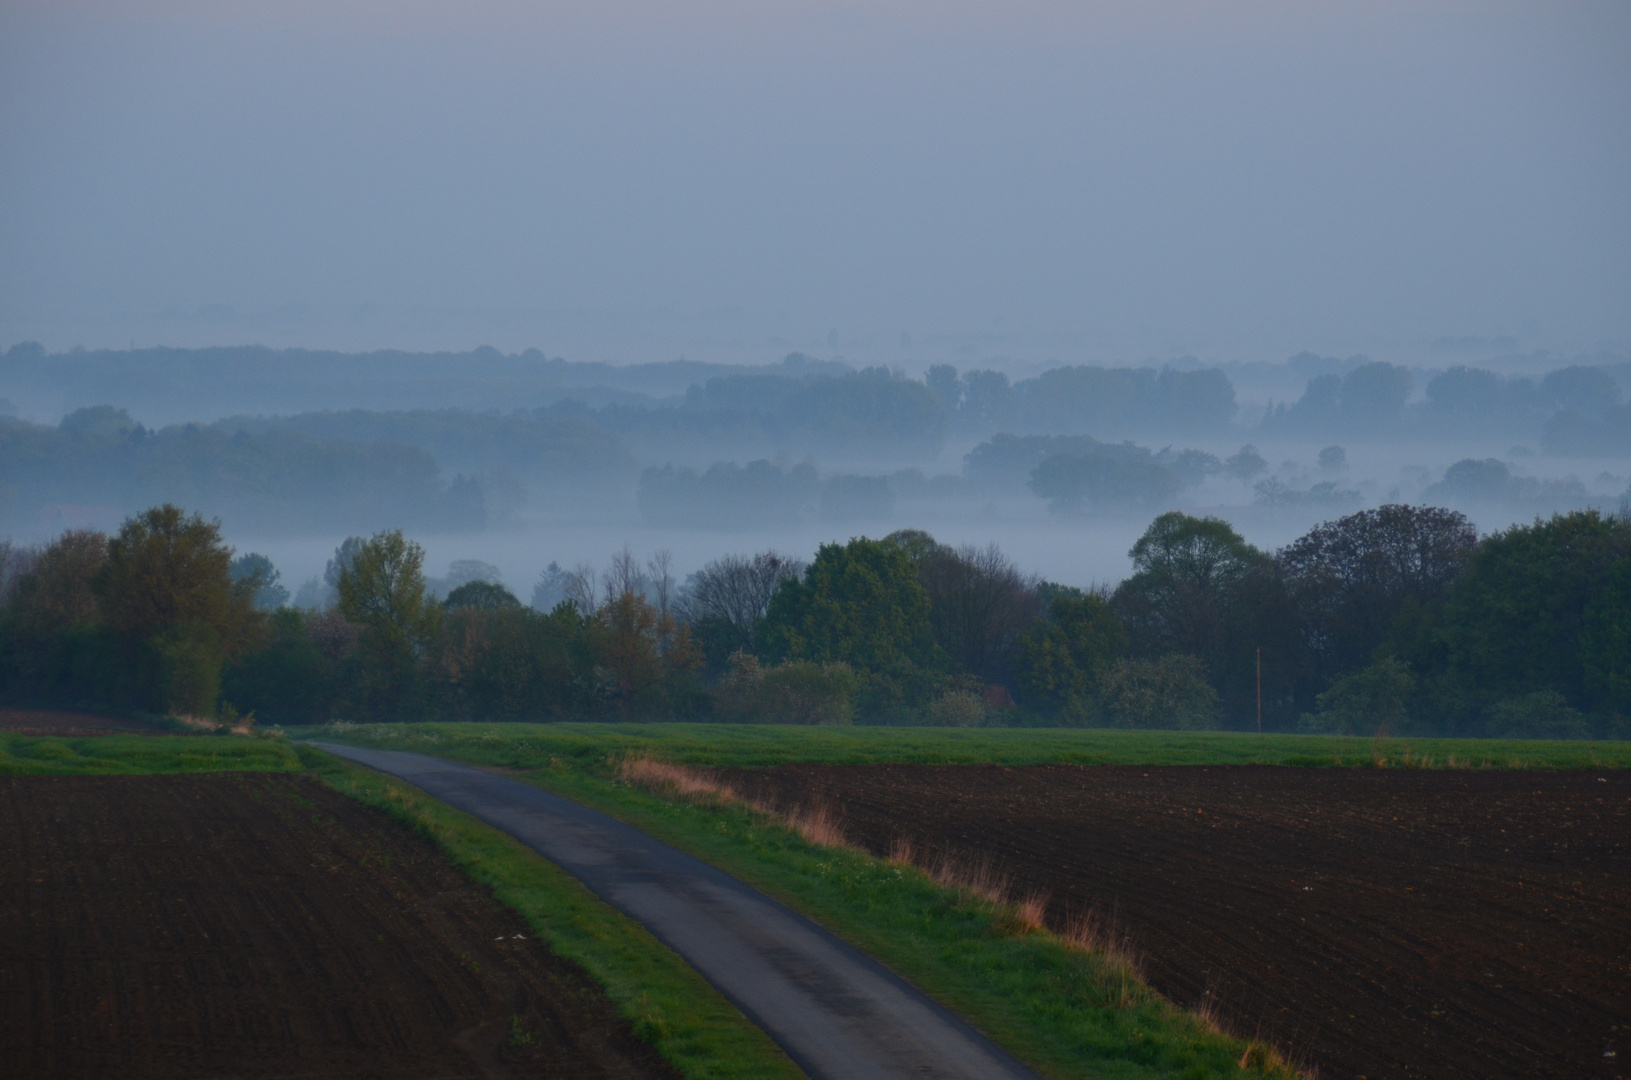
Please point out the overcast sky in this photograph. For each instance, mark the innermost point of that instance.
(636, 180)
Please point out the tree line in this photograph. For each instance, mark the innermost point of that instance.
(1398, 619)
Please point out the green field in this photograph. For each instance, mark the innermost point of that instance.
(533, 746)
(22, 755)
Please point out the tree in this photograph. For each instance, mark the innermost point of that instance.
(55, 591)
(1187, 574)
(1245, 464)
(482, 596)
(738, 588)
(1108, 478)
(1199, 589)
(1516, 621)
(1349, 581)
(1605, 646)
(726, 599)
(979, 602)
(383, 591)
(166, 587)
(1063, 659)
(860, 603)
(269, 592)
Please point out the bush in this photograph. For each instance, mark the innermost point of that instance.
(796, 692)
(957, 708)
(1170, 693)
(1541, 715)
(1371, 699)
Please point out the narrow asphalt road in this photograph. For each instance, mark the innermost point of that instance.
(836, 1012)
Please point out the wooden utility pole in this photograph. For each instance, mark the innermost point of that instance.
(1260, 689)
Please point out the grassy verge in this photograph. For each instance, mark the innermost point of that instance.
(1065, 1011)
(22, 755)
(533, 746)
(670, 1005)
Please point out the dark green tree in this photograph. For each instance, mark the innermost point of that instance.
(860, 603)
(1517, 621)
(1063, 659)
(482, 596)
(1199, 589)
(1349, 583)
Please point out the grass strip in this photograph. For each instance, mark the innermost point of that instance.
(103, 755)
(533, 746)
(669, 1004)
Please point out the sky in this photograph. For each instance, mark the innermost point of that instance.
(894, 180)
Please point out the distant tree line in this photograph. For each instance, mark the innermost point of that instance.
(1576, 410)
(276, 479)
(1398, 619)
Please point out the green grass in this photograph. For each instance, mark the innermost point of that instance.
(531, 746)
(22, 755)
(670, 1005)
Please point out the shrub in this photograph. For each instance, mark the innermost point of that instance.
(796, 692)
(957, 708)
(1168, 693)
(1371, 699)
(1541, 715)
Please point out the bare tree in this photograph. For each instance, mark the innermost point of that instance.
(624, 576)
(580, 589)
(660, 567)
(738, 588)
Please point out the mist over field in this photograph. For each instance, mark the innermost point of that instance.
(523, 460)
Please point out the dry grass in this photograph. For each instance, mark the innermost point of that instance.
(669, 779)
(1032, 912)
(818, 825)
(1092, 933)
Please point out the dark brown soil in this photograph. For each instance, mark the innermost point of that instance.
(70, 724)
(1374, 923)
(262, 925)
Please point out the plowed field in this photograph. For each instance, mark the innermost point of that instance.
(1375, 923)
(261, 925)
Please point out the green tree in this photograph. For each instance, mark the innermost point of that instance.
(166, 589)
(1063, 658)
(1517, 621)
(383, 591)
(481, 595)
(1605, 646)
(1199, 589)
(1350, 582)
(861, 604)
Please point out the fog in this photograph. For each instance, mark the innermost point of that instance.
(728, 278)
(522, 460)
